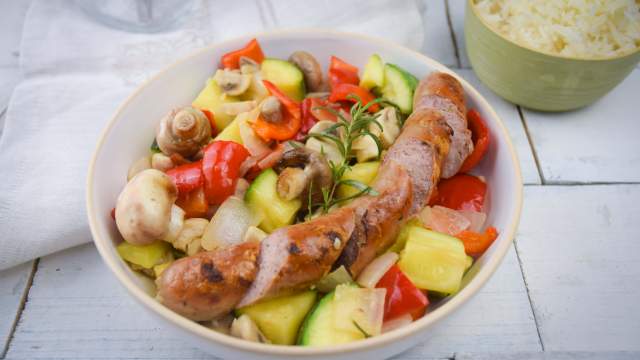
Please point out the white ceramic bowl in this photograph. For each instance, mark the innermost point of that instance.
(131, 130)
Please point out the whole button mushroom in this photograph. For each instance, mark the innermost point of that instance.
(311, 70)
(145, 210)
(183, 131)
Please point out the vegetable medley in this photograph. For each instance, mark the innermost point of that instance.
(269, 143)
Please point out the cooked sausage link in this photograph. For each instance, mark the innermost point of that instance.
(442, 92)
(209, 284)
(433, 142)
(295, 257)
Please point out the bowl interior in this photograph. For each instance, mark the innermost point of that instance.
(131, 131)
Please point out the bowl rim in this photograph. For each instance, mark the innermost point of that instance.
(205, 334)
(471, 5)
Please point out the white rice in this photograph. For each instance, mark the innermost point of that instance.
(572, 28)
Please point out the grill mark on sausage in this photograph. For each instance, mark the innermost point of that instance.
(294, 249)
(209, 271)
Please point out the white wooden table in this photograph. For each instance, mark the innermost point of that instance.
(568, 289)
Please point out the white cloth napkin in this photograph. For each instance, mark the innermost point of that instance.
(76, 73)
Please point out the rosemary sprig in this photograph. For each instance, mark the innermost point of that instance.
(343, 134)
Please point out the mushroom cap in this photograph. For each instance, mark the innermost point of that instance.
(183, 131)
(311, 70)
(143, 209)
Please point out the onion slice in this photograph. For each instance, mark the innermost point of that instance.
(229, 224)
(444, 220)
(476, 218)
(256, 146)
(333, 279)
(396, 323)
(371, 274)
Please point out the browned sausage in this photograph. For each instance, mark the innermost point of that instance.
(209, 284)
(405, 181)
(295, 257)
(442, 92)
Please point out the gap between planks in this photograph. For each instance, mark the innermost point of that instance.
(531, 145)
(452, 33)
(21, 306)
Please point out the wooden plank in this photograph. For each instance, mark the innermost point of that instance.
(13, 284)
(437, 36)
(75, 297)
(596, 144)
(579, 250)
(77, 310)
(553, 355)
(499, 318)
(456, 14)
(511, 118)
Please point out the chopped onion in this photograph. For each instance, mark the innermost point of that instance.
(333, 279)
(241, 188)
(244, 328)
(246, 165)
(396, 323)
(358, 309)
(371, 274)
(175, 224)
(444, 220)
(229, 224)
(254, 234)
(238, 107)
(476, 218)
(254, 144)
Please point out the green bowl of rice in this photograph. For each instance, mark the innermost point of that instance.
(552, 55)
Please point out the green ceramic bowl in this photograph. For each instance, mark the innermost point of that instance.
(535, 79)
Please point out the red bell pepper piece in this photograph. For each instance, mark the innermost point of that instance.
(187, 177)
(291, 118)
(194, 203)
(481, 140)
(341, 72)
(252, 50)
(212, 121)
(221, 169)
(475, 244)
(461, 192)
(312, 111)
(402, 296)
(342, 92)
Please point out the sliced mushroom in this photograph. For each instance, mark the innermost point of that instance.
(248, 65)
(188, 240)
(141, 164)
(299, 170)
(145, 210)
(238, 107)
(271, 109)
(232, 82)
(183, 131)
(325, 147)
(162, 162)
(365, 147)
(311, 70)
(244, 328)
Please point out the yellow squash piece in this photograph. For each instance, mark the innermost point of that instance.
(280, 318)
(433, 261)
(146, 256)
(362, 172)
(230, 133)
(211, 98)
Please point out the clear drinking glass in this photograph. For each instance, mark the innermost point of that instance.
(145, 16)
